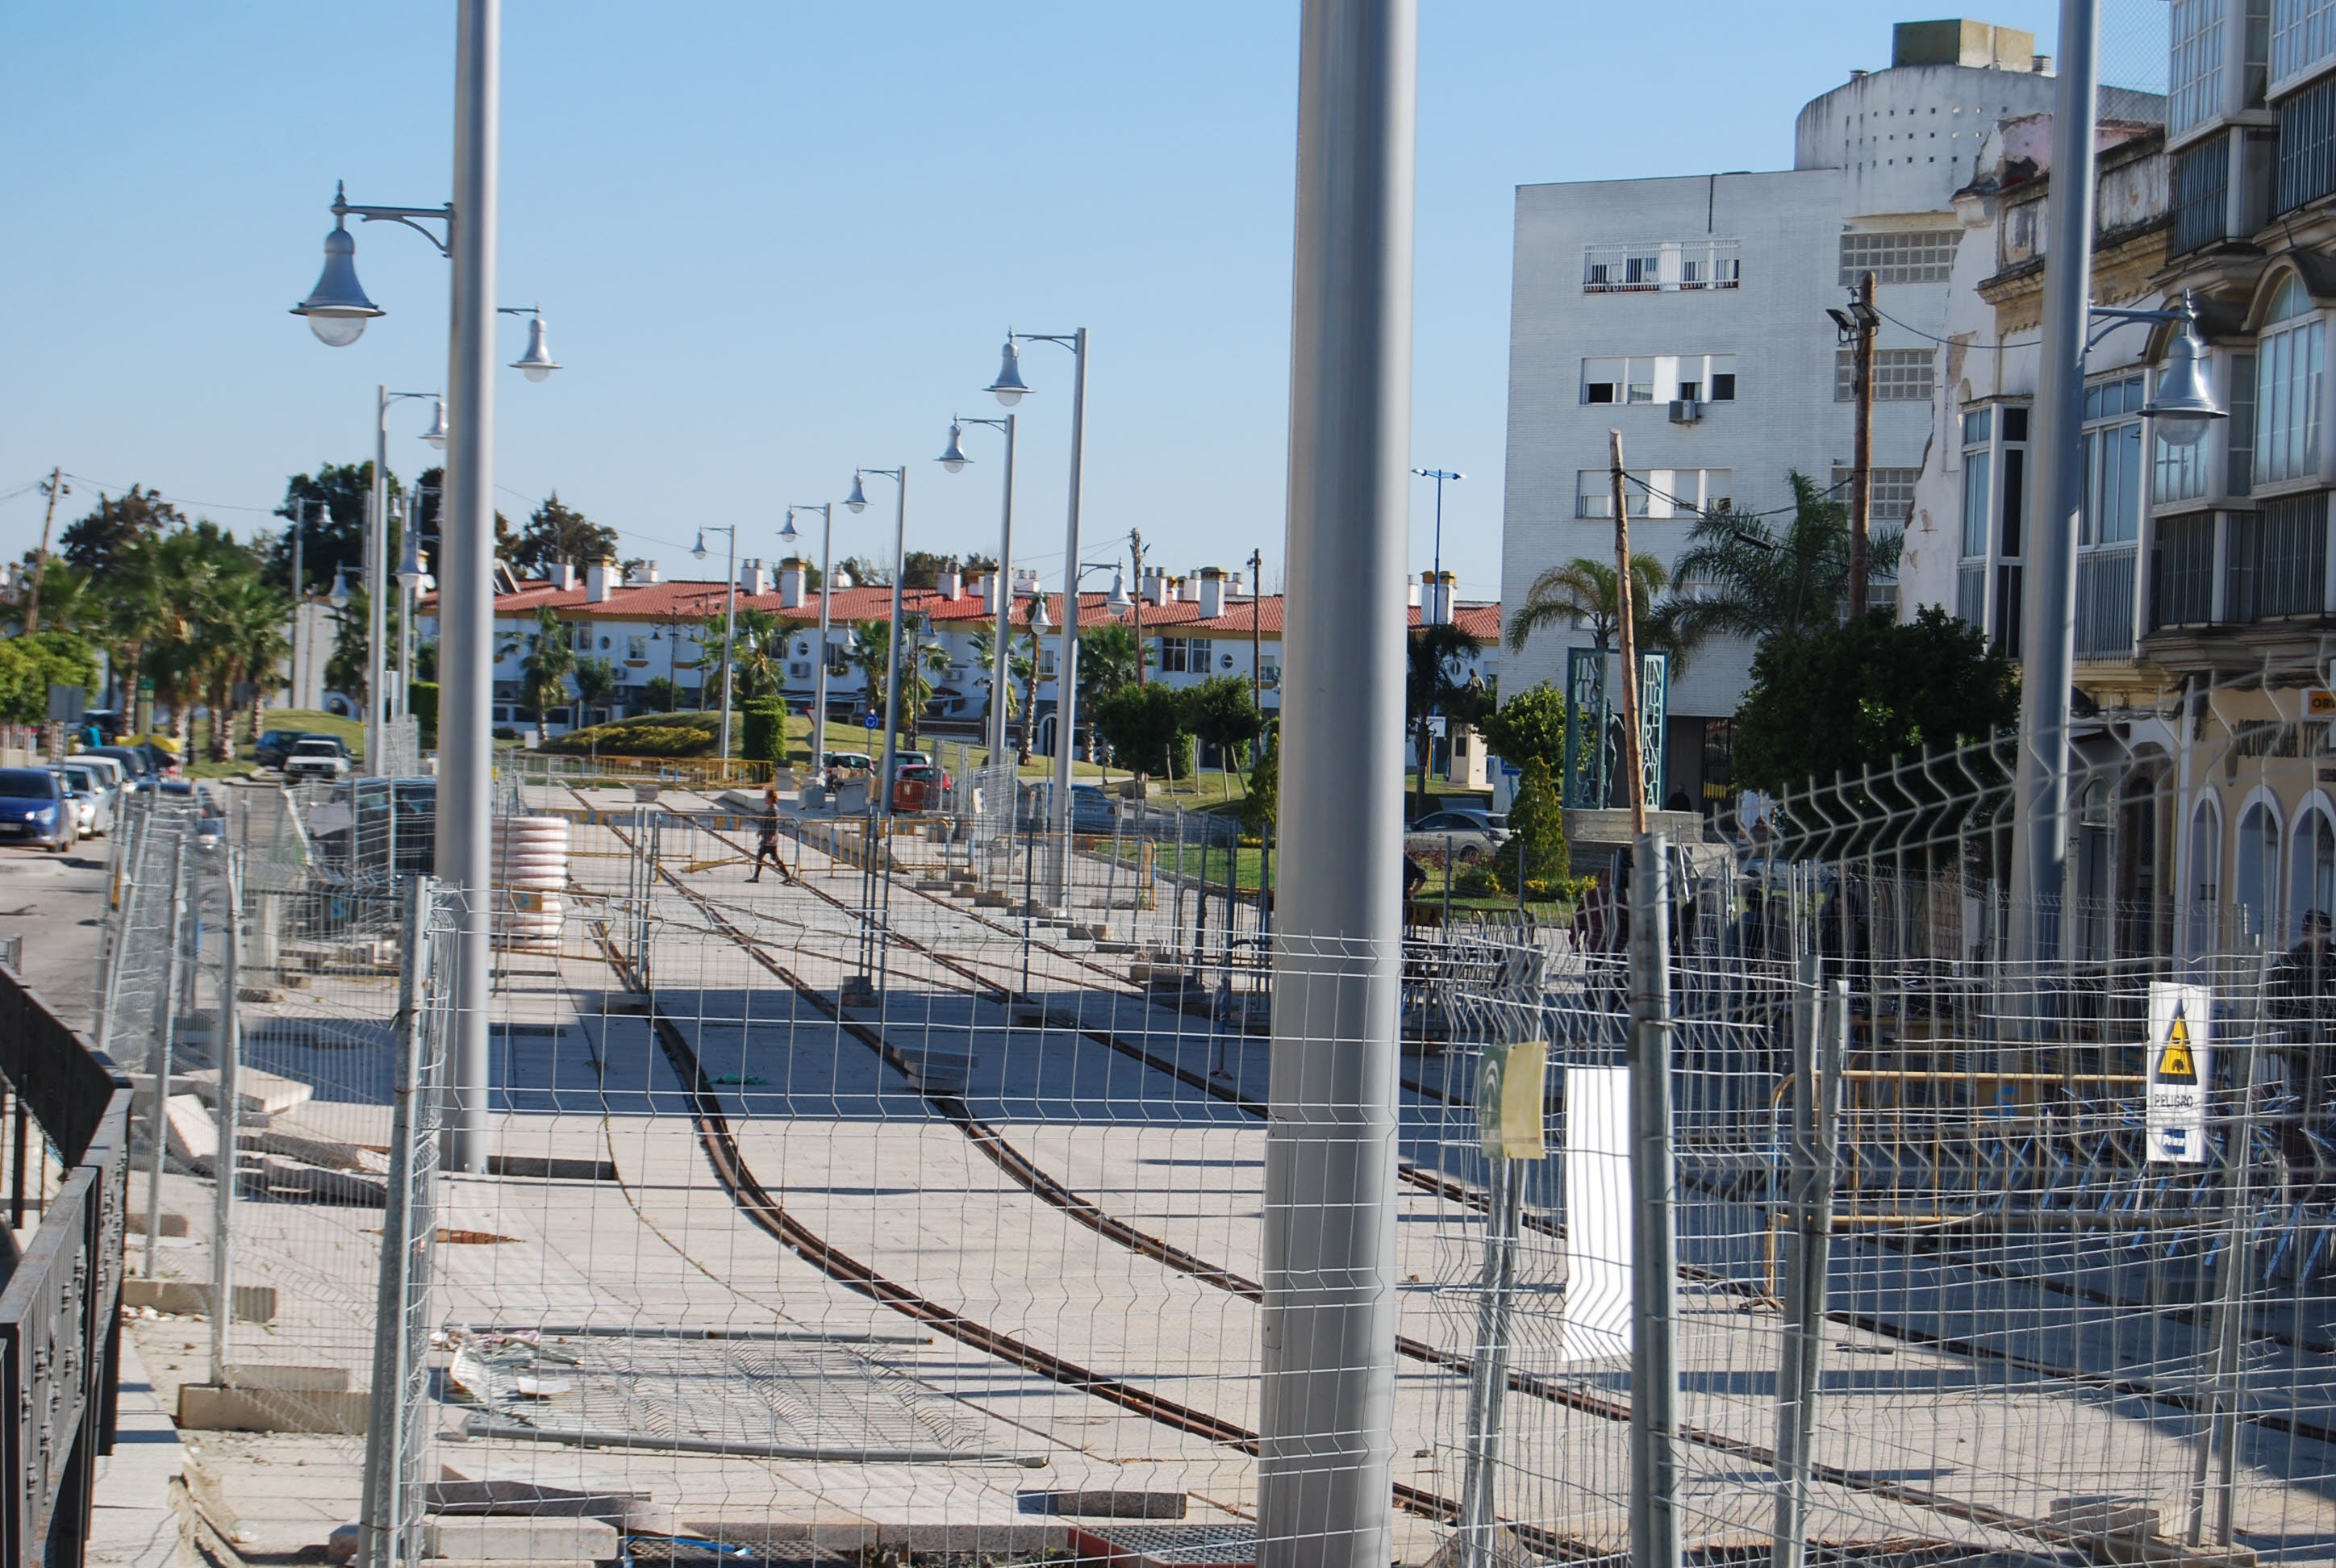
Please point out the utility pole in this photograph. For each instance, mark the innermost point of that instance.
(1135, 543)
(299, 599)
(52, 487)
(1861, 470)
(1634, 765)
(1326, 1441)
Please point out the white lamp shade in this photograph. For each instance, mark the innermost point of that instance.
(537, 362)
(1008, 387)
(787, 531)
(2185, 406)
(337, 308)
(437, 434)
(953, 457)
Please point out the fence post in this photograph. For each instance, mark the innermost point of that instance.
(1654, 1317)
(225, 1165)
(158, 1122)
(408, 1227)
(1820, 1026)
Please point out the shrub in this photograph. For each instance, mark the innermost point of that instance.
(1530, 725)
(423, 695)
(659, 736)
(1536, 844)
(1147, 729)
(764, 730)
(1261, 808)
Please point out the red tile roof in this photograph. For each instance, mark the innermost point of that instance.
(695, 601)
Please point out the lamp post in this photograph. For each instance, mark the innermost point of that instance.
(2180, 412)
(412, 575)
(855, 503)
(1439, 475)
(826, 510)
(376, 570)
(1009, 389)
(953, 459)
(729, 630)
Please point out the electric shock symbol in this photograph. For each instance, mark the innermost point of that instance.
(2176, 1065)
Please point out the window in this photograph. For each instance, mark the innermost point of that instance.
(2254, 887)
(2305, 39)
(1971, 596)
(2110, 457)
(2278, 560)
(799, 670)
(1665, 265)
(2287, 389)
(2239, 430)
(1656, 492)
(1176, 655)
(1908, 256)
(1660, 378)
(2201, 180)
(2194, 74)
(2182, 571)
(2307, 146)
(1900, 374)
(579, 637)
(1995, 479)
(839, 662)
(1978, 467)
(637, 648)
(1889, 492)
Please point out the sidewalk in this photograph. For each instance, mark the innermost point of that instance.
(134, 1524)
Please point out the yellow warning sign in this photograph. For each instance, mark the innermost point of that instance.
(2176, 1065)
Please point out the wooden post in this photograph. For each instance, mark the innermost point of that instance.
(1861, 470)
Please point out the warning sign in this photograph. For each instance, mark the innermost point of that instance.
(2180, 1068)
(1509, 1099)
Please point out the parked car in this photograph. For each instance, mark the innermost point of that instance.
(316, 757)
(366, 824)
(134, 762)
(276, 745)
(921, 787)
(107, 768)
(1467, 833)
(1093, 809)
(36, 808)
(94, 795)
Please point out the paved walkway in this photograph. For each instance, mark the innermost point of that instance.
(134, 1525)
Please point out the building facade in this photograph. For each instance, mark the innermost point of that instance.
(1689, 313)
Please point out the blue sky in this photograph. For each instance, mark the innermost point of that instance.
(776, 240)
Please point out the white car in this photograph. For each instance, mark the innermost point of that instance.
(95, 796)
(1466, 835)
(316, 759)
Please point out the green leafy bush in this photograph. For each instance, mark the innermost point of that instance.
(765, 730)
(656, 735)
(424, 696)
(1148, 729)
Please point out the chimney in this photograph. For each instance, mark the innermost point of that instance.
(649, 572)
(600, 581)
(560, 575)
(1436, 601)
(985, 588)
(792, 576)
(1212, 593)
(1026, 582)
(950, 585)
(1414, 593)
(752, 576)
(1153, 587)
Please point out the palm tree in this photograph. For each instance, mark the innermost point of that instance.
(598, 684)
(1749, 581)
(1108, 655)
(239, 639)
(68, 600)
(927, 659)
(1019, 665)
(758, 646)
(550, 659)
(872, 655)
(1430, 687)
(1583, 590)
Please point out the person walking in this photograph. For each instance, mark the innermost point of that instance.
(2302, 986)
(766, 831)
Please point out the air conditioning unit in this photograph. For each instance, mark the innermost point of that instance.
(798, 671)
(1686, 411)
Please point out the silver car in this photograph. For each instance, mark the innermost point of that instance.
(1467, 835)
(97, 796)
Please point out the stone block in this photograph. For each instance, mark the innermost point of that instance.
(253, 1304)
(503, 1538)
(208, 1408)
(170, 1224)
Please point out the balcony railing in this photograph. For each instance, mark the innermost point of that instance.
(2182, 572)
(2278, 560)
(2105, 583)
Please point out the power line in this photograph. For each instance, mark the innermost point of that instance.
(1955, 342)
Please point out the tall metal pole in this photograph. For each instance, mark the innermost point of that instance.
(1135, 552)
(1067, 657)
(299, 601)
(1325, 1461)
(466, 597)
(1634, 763)
(1861, 462)
(2039, 832)
(1654, 1239)
(1002, 673)
(826, 601)
(729, 642)
(375, 577)
(892, 674)
(1256, 637)
(230, 1111)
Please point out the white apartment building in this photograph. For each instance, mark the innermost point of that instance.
(1689, 313)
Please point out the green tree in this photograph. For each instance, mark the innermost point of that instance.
(336, 538)
(1536, 844)
(1584, 589)
(1751, 580)
(872, 655)
(923, 568)
(543, 674)
(763, 737)
(30, 665)
(1530, 726)
(1108, 661)
(1148, 729)
(1845, 696)
(69, 598)
(557, 532)
(1262, 808)
(661, 693)
(1223, 714)
(599, 683)
(1021, 651)
(240, 639)
(1432, 686)
(96, 541)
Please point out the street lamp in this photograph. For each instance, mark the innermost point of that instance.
(536, 363)
(1009, 389)
(729, 630)
(826, 510)
(339, 598)
(376, 568)
(437, 434)
(855, 502)
(1439, 475)
(953, 458)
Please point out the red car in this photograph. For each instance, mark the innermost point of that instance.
(921, 787)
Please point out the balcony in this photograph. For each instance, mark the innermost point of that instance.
(2104, 584)
(2182, 572)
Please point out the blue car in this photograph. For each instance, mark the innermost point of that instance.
(34, 808)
